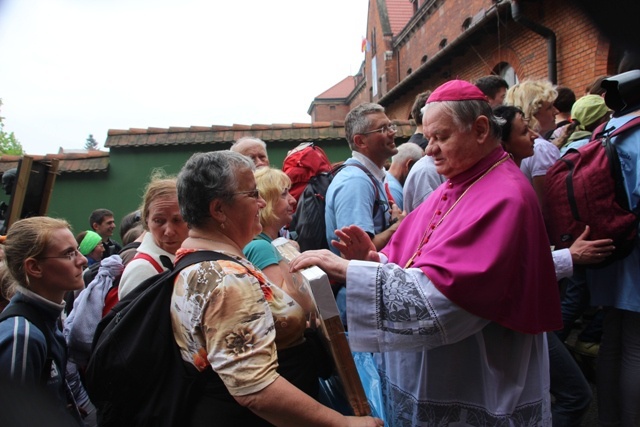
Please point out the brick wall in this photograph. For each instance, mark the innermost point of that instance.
(325, 112)
(582, 53)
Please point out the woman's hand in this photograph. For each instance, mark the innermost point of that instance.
(355, 243)
(330, 263)
(590, 251)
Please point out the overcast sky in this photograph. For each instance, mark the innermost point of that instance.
(71, 68)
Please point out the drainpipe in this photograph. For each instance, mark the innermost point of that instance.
(545, 32)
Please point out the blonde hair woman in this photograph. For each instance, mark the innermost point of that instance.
(535, 98)
(273, 186)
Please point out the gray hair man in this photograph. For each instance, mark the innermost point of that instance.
(408, 154)
(252, 147)
(356, 194)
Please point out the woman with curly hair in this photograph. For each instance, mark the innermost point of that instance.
(535, 98)
(229, 318)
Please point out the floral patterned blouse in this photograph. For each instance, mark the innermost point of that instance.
(227, 314)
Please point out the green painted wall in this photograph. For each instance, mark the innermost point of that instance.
(121, 188)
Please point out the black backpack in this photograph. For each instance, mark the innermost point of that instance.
(586, 187)
(308, 220)
(136, 375)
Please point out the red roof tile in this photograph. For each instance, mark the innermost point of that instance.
(340, 90)
(196, 135)
(91, 161)
(400, 12)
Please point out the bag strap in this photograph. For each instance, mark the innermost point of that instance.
(149, 258)
(195, 257)
(128, 246)
(31, 313)
(374, 181)
(630, 124)
(602, 130)
(612, 154)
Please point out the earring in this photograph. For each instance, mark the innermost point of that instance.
(222, 225)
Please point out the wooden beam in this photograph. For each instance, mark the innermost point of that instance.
(52, 172)
(20, 189)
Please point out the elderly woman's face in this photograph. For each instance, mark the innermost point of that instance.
(166, 224)
(453, 150)
(243, 219)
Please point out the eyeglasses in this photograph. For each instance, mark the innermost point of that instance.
(389, 128)
(255, 194)
(70, 255)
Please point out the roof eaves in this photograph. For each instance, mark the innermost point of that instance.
(426, 10)
(415, 77)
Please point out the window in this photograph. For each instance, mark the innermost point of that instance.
(507, 72)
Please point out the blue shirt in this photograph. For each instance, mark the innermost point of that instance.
(350, 200)
(618, 284)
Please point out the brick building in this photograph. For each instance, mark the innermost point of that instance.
(415, 45)
(412, 45)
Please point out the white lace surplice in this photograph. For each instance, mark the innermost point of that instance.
(439, 364)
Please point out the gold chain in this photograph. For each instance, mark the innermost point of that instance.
(430, 229)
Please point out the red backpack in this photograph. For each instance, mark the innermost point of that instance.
(303, 162)
(585, 187)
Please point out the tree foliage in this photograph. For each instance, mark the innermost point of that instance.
(91, 143)
(8, 142)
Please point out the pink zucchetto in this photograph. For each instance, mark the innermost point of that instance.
(457, 90)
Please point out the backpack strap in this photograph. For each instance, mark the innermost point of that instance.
(149, 258)
(374, 181)
(602, 130)
(630, 124)
(31, 313)
(612, 154)
(128, 246)
(195, 257)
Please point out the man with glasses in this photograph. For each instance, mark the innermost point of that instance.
(356, 195)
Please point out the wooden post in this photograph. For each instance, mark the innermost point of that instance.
(316, 283)
(20, 190)
(32, 192)
(52, 172)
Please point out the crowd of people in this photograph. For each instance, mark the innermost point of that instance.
(440, 265)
